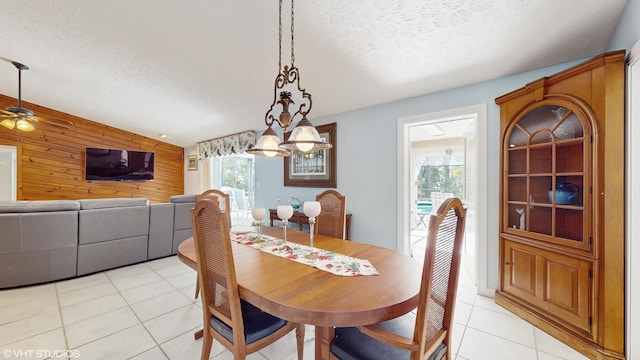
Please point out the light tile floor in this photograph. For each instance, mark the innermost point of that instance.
(147, 311)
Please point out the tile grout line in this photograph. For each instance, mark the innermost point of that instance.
(110, 281)
(139, 320)
(64, 328)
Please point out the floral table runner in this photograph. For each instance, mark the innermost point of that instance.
(329, 261)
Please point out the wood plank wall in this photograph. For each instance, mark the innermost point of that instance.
(51, 160)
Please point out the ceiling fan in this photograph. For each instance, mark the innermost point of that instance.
(19, 117)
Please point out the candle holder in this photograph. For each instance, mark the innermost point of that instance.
(285, 212)
(258, 215)
(311, 209)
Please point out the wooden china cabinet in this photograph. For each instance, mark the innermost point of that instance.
(562, 205)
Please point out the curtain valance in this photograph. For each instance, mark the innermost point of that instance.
(231, 144)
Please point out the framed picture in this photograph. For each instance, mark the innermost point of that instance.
(313, 168)
(192, 162)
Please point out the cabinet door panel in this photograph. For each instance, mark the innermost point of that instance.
(559, 285)
(567, 288)
(520, 278)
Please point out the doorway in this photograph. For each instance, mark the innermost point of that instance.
(8, 173)
(441, 154)
(234, 175)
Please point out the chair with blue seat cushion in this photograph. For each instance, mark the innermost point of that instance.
(222, 200)
(239, 326)
(424, 334)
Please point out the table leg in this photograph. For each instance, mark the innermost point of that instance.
(324, 337)
(198, 334)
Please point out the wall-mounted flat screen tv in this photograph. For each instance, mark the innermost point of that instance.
(118, 165)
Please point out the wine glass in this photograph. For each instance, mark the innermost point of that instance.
(285, 212)
(311, 209)
(258, 215)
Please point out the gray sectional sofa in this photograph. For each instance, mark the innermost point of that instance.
(49, 240)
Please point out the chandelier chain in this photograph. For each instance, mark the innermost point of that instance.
(293, 57)
(304, 137)
(280, 37)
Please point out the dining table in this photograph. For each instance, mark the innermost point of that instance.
(306, 294)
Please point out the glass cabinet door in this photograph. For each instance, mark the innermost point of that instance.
(545, 176)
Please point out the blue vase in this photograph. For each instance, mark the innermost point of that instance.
(565, 193)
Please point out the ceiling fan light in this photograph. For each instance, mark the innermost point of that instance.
(8, 123)
(24, 125)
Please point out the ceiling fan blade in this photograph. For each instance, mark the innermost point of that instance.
(7, 113)
(56, 122)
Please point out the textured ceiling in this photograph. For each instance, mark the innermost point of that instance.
(199, 69)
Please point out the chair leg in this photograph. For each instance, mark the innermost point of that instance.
(207, 342)
(300, 340)
(197, 287)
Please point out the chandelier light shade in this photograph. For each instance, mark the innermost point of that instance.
(268, 145)
(304, 136)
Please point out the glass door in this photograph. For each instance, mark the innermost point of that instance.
(546, 182)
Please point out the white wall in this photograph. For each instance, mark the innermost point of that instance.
(192, 179)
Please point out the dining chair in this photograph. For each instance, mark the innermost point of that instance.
(331, 220)
(222, 200)
(424, 333)
(238, 325)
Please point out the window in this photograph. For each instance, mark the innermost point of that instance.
(235, 175)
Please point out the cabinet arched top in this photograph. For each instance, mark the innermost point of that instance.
(556, 118)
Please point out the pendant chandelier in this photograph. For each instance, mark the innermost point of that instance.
(304, 136)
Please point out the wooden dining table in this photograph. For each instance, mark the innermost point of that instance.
(304, 294)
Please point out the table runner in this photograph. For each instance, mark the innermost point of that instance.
(329, 261)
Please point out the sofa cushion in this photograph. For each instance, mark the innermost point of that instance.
(107, 224)
(182, 216)
(90, 204)
(38, 206)
(49, 231)
(111, 254)
(161, 218)
(183, 199)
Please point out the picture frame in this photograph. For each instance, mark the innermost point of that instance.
(313, 168)
(192, 162)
